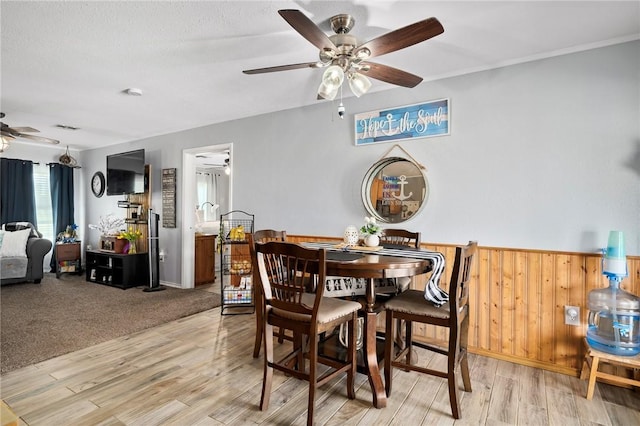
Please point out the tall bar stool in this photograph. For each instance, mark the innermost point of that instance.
(286, 271)
(411, 306)
(261, 236)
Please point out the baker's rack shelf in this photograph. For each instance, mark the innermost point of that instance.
(235, 261)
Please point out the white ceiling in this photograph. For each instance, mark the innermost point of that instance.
(68, 63)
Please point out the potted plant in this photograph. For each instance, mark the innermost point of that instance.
(371, 232)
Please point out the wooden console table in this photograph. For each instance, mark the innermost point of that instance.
(117, 270)
(68, 258)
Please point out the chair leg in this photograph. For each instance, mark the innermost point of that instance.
(351, 357)
(452, 358)
(257, 343)
(408, 340)
(454, 398)
(585, 366)
(389, 353)
(399, 341)
(299, 346)
(313, 377)
(462, 353)
(592, 377)
(259, 330)
(457, 357)
(268, 369)
(464, 369)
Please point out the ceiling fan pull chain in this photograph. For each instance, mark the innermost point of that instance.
(341, 109)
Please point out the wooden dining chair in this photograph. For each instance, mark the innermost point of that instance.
(286, 270)
(411, 306)
(261, 236)
(400, 237)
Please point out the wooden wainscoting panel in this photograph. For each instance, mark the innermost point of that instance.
(517, 302)
(495, 301)
(520, 304)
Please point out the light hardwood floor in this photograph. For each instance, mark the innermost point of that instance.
(199, 371)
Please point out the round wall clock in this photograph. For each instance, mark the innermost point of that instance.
(97, 184)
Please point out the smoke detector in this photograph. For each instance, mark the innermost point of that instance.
(134, 91)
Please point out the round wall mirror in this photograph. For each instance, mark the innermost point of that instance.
(394, 190)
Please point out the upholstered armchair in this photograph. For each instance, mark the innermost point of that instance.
(22, 252)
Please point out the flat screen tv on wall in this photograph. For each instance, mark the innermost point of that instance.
(125, 173)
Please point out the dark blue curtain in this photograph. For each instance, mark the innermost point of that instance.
(17, 195)
(61, 183)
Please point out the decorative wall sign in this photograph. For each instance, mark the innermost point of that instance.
(168, 198)
(407, 122)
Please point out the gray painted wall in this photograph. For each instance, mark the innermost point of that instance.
(542, 155)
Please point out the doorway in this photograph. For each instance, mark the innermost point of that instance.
(207, 159)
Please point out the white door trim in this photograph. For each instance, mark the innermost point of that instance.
(188, 207)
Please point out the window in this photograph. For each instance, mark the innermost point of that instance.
(44, 212)
(206, 183)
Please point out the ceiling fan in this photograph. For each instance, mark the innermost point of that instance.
(345, 56)
(9, 134)
(225, 165)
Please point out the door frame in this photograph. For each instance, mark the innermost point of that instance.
(188, 203)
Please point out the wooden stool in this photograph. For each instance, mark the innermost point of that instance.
(592, 360)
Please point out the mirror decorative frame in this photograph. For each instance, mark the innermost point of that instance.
(395, 189)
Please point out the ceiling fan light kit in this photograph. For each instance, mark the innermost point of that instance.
(332, 79)
(10, 134)
(344, 55)
(4, 143)
(359, 84)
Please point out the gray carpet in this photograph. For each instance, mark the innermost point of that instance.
(58, 316)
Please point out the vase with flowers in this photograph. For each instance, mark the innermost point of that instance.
(131, 236)
(371, 232)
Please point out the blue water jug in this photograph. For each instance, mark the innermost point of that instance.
(614, 321)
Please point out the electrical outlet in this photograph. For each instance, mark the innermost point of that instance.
(572, 315)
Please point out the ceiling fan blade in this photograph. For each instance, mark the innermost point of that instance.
(391, 75)
(307, 28)
(24, 130)
(7, 135)
(282, 68)
(37, 138)
(403, 37)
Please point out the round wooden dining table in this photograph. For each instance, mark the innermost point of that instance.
(372, 266)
